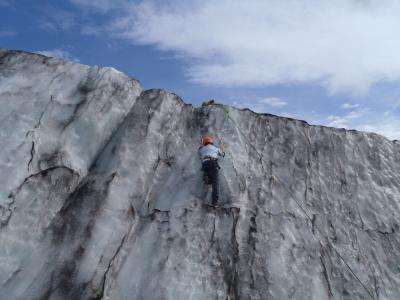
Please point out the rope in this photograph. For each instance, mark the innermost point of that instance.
(304, 211)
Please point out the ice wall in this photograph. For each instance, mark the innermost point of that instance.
(101, 196)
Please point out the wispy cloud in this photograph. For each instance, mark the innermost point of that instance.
(346, 120)
(264, 105)
(58, 53)
(58, 20)
(344, 45)
(388, 126)
(273, 101)
(349, 105)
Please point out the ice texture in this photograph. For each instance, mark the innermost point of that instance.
(101, 196)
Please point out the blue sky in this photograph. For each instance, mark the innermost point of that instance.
(333, 63)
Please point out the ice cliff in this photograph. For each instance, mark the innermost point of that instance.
(101, 196)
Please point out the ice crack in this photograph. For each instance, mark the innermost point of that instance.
(110, 263)
(32, 155)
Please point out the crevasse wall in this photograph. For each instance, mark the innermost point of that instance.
(101, 196)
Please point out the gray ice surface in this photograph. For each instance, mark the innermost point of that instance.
(101, 196)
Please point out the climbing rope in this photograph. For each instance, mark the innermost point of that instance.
(303, 210)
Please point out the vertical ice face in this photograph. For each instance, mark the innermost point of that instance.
(55, 118)
(101, 196)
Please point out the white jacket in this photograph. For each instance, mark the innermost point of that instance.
(210, 150)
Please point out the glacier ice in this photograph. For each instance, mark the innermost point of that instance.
(101, 196)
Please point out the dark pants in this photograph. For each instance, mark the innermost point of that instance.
(210, 169)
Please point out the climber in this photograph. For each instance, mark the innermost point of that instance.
(209, 157)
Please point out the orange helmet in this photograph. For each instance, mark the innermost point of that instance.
(207, 140)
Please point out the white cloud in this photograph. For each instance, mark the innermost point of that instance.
(273, 101)
(58, 53)
(344, 45)
(366, 120)
(347, 120)
(261, 106)
(349, 105)
(389, 127)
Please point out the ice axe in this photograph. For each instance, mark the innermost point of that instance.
(222, 145)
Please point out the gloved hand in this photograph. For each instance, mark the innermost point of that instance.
(222, 147)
